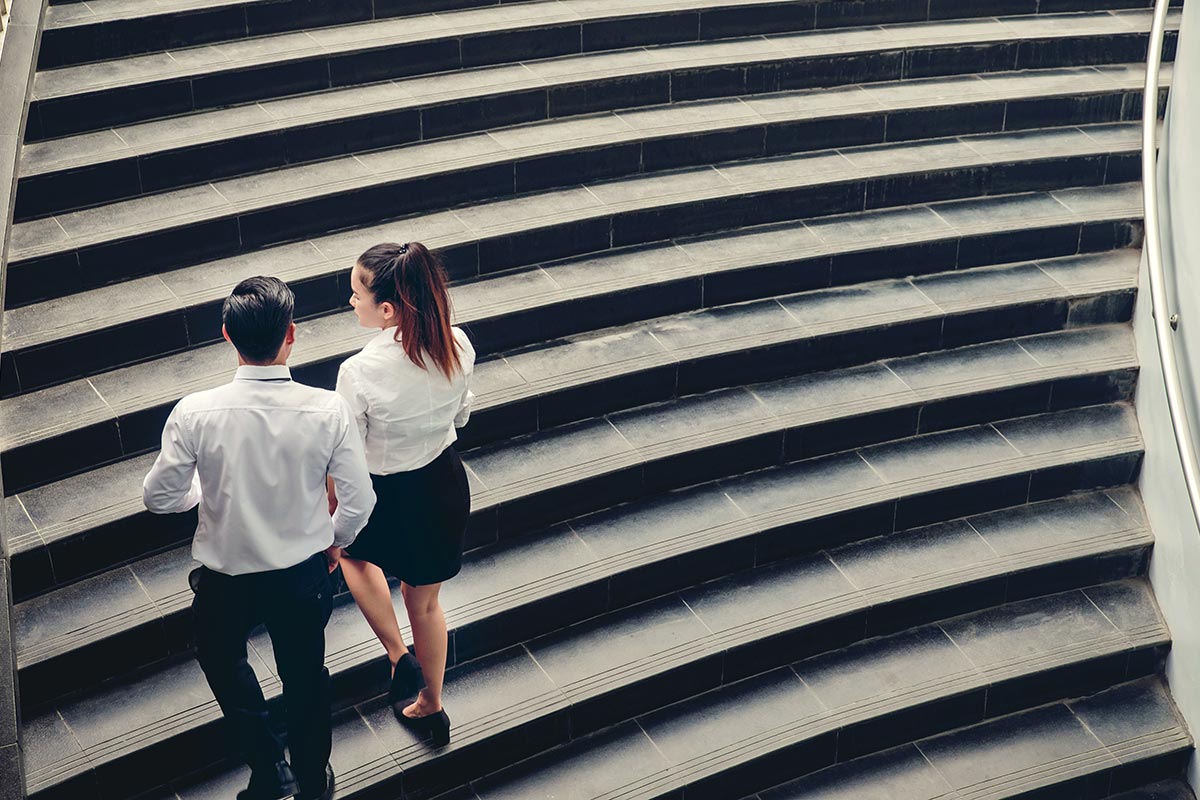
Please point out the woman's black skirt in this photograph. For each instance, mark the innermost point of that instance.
(417, 529)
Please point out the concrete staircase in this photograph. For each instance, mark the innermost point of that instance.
(803, 452)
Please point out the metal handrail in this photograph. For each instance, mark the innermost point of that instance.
(1165, 322)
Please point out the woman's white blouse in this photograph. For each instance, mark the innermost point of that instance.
(407, 415)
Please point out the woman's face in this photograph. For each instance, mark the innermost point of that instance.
(370, 314)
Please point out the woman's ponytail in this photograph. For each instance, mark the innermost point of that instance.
(412, 278)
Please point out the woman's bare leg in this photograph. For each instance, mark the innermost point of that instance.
(370, 588)
(429, 639)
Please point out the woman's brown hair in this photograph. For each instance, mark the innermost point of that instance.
(413, 280)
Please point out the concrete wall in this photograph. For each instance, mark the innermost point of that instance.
(17, 58)
(1175, 565)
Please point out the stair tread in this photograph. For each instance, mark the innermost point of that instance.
(143, 138)
(682, 744)
(589, 200)
(573, 133)
(311, 181)
(97, 11)
(571, 363)
(620, 202)
(207, 59)
(190, 62)
(1006, 757)
(688, 625)
(157, 584)
(77, 315)
(121, 391)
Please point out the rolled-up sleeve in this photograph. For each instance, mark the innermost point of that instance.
(173, 484)
(351, 480)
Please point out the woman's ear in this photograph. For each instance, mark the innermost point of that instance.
(389, 311)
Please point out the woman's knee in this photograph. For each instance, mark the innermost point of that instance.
(420, 601)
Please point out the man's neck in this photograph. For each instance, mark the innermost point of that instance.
(276, 363)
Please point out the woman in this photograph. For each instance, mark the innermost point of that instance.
(409, 388)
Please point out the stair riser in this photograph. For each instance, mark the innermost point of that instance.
(1131, 777)
(158, 636)
(206, 744)
(57, 192)
(586, 717)
(75, 557)
(928, 719)
(84, 448)
(37, 367)
(69, 271)
(97, 110)
(117, 38)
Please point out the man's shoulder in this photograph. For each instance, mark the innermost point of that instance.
(314, 397)
(201, 400)
(230, 395)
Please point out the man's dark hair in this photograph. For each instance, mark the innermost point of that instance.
(256, 316)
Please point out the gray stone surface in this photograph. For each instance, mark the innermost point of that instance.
(662, 293)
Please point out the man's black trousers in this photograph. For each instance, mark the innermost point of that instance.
(294, 604)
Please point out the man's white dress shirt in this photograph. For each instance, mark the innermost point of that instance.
(407, 415)
(254, 454)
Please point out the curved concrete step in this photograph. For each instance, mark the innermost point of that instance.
(1140, 734)
(106, 29)
(1012, 757)
(111, 30)
(712, 436)
(403, 110)
(749, 733)
(49, 342)
(561, 152)
(488, 237)
(663, 359)
(118, 413)
(677, 646)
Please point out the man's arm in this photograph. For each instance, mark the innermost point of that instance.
(173, 485)
(351, 481)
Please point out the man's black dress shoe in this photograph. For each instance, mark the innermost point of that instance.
(276, 784)
(325, 795)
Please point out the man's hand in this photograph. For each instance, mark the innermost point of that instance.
(333, 555)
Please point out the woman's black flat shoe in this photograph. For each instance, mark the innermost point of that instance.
(407, 681)
(435, 726)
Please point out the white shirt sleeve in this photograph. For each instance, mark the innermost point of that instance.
(464, 408)
(351, 481)
(467, 356)
(173, 484)
(351, 392)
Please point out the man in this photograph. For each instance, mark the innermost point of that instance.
(254, 455)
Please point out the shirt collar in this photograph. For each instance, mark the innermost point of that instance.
(385, 336)
(276, 372)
